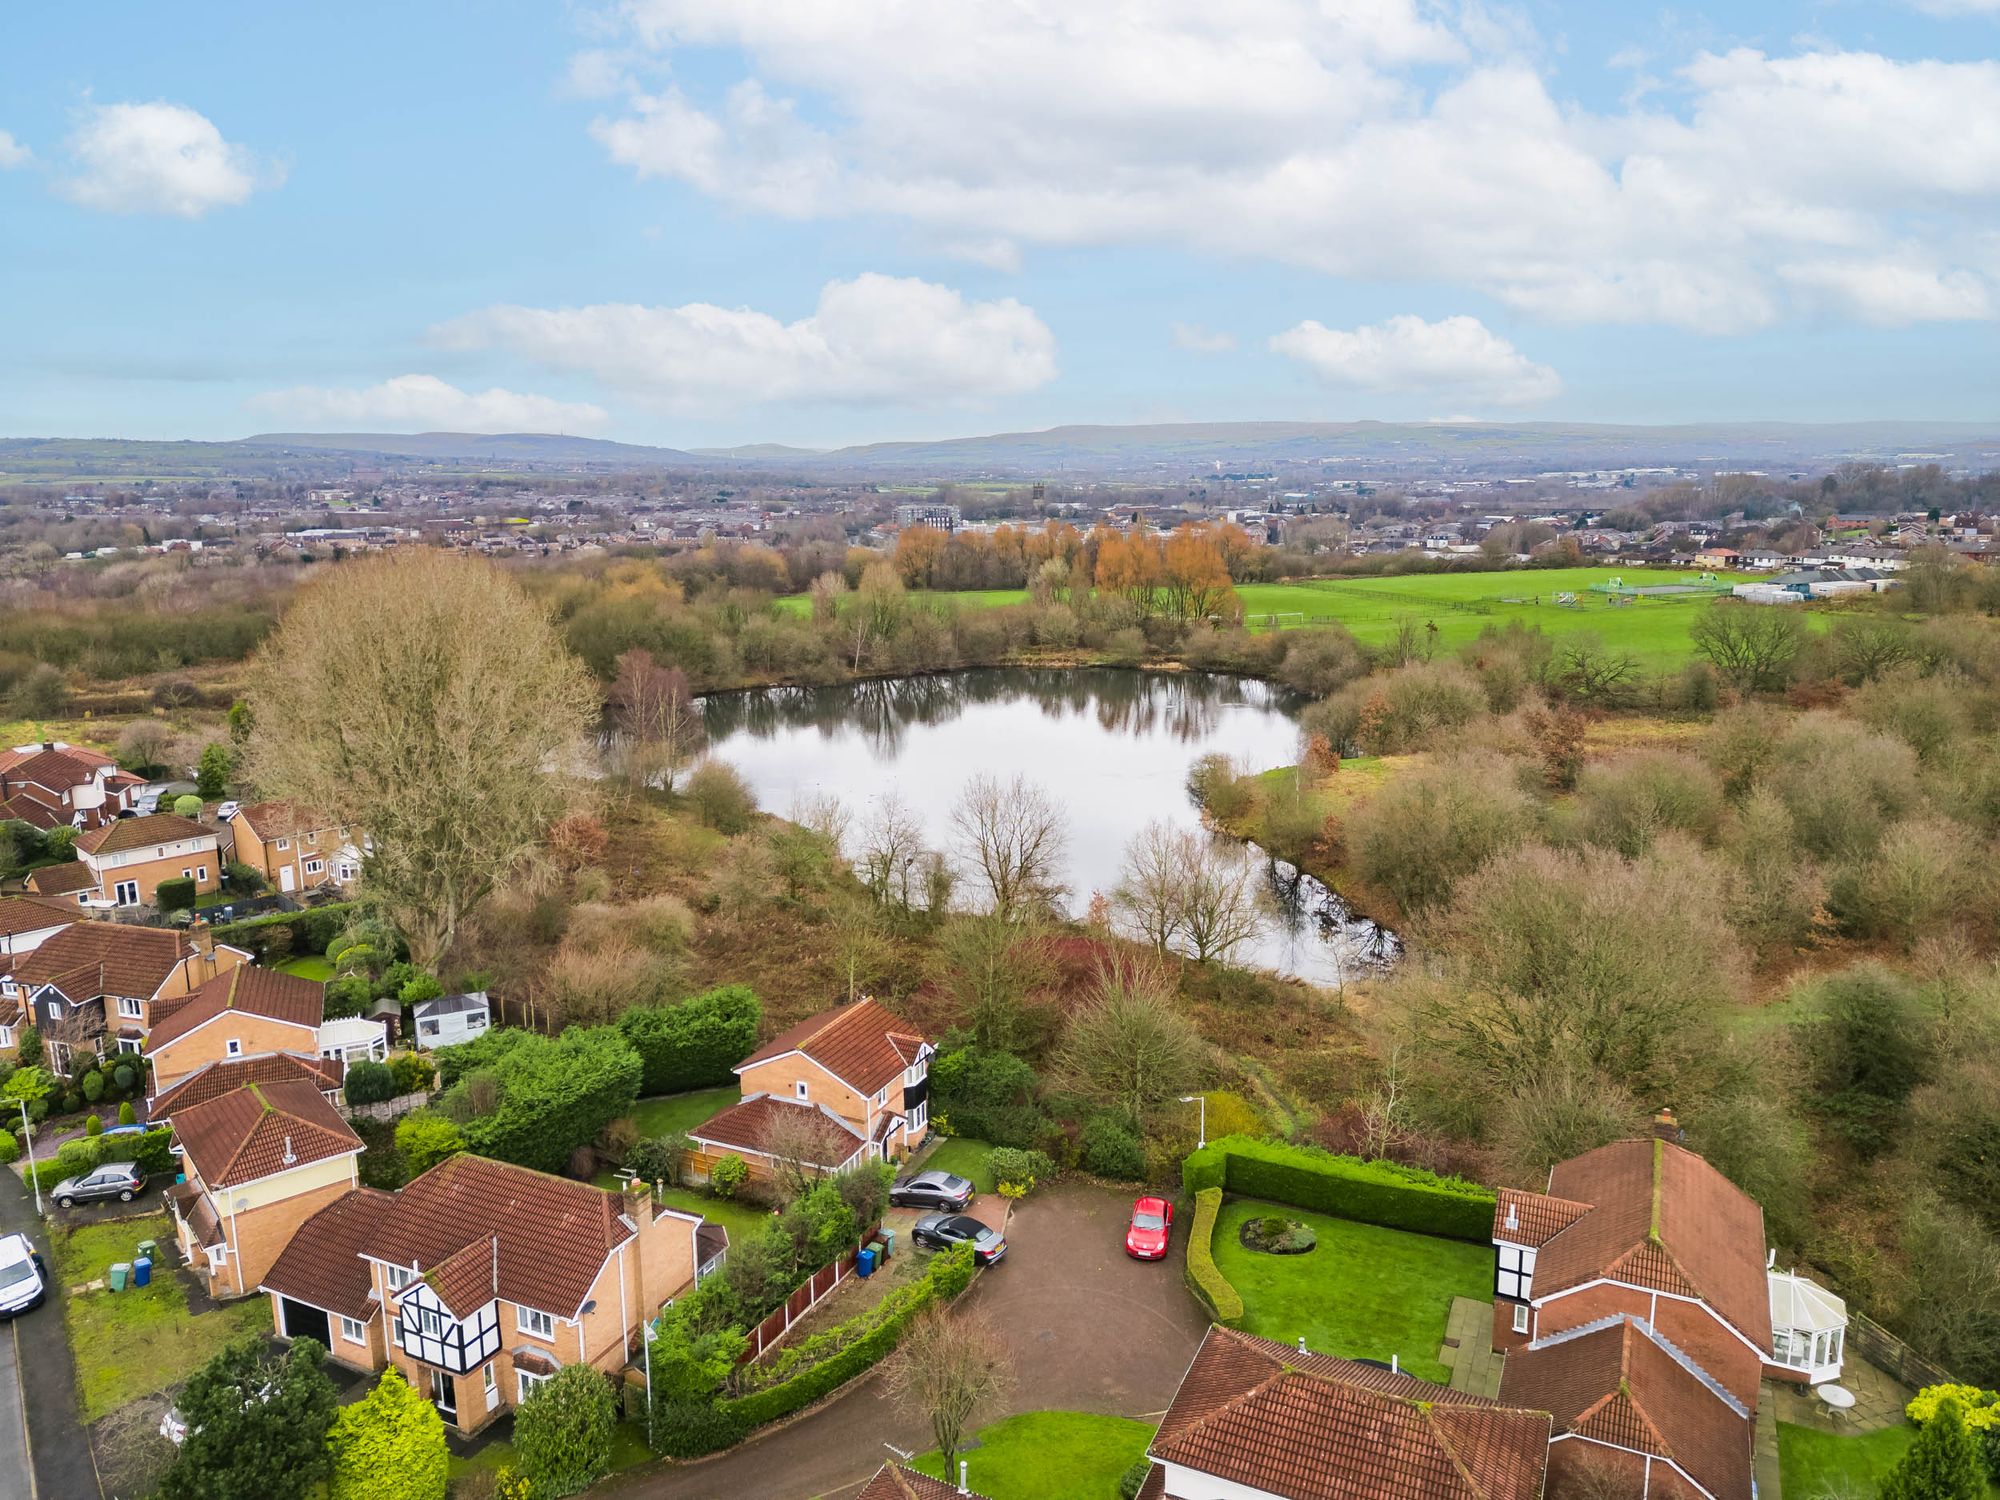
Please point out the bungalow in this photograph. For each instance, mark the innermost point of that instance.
(1718, 557)
(848, 1085)
(480, 1279)
(90, 975)
(1259, 1420)
(292, 850)
(259, 1160)
(54, 785)
(253, 1012)
(129, 858)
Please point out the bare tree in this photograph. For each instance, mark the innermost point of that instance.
(858, 950)
(796, 1139)
(1010, 836)
(824, 816)
(658, 723)
(948, 1367)
(1151, 890)
(424, 698)
(1218, 900)
(891, 844)
(1129, 1048)
(1753, 645)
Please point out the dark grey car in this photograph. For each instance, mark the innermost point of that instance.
(932, 1190)
(942, 1231)
(115, 1179)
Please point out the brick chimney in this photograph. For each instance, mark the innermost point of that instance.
(1666, 1126)
(203, 937)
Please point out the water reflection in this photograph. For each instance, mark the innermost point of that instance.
(1115, 747)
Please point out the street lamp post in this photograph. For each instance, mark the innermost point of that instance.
(28, 1135)
(1201, 1131)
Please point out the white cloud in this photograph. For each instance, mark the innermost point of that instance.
(1894, 291)
(1199, 340)
(1453, 359)
(1363, 139)
(159, 159)
(424, 403)
(13, 153)
(872, 338)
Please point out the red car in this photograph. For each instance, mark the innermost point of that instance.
(1152, 1223)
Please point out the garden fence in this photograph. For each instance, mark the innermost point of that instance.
(804, 1298)
(390, 1109)
(1885, 1351)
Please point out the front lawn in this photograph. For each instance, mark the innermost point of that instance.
(308, 966)
(1364, 1293)
(1815, 1465)
(141, 1340)
(963, 1155)
(1050, 1455)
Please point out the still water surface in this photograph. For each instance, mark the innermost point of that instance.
(1113, 747)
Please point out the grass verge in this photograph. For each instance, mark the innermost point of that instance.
(1050, 1455)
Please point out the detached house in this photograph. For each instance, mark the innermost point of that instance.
(479, 1280)
(54, 785)
(848, 1085)
(292, 850)
(1258, 1420)
(25, 924)
(252, 1012)
(212, 1080)
(260, 1160)
(129, 858)
(101, 986)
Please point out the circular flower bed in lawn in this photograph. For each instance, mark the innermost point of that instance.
(1273, 1234)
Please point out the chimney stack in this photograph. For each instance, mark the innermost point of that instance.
(1666, 1126)
(203, 937)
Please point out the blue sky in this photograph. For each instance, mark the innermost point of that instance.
(823, 221)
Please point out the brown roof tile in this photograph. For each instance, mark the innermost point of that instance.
(467, 1279)
(249, 1132)
(533, 1360)
(1532, 1218)
(218, 1078)
(1616, 1381)
(1303, 1426)
(554, 1234)
(137, 833)
(251, 991)
(748, 1126)
(322, 1266)
(19, 914)
(894, 1482)
(87, 959)
(20, 808)
(65, 879)
(58, 770)
(861, 1044)
(1661, 1218)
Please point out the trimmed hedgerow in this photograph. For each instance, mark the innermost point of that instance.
(1204, 1277)
(1369, 1192)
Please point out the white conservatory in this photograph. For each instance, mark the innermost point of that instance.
(1808, 1327)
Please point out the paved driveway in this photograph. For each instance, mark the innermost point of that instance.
(1091, 1329)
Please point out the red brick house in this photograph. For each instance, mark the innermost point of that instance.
(1258, 1420)
(846, 1086)
(102, 986)
(54, 785)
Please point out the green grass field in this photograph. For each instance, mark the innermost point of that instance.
(1818, 1465)
(308, 966)
(1050, 1455)
(1363, 1293)
(963, 1155)
(1461, 605)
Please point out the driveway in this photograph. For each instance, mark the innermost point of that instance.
(1091, 1330)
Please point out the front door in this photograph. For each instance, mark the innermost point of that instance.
(444, 1395)
(286, 879)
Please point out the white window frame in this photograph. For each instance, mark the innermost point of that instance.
(6, 1036)
(534, 1322)
(130, 1044)
(131, 1008)
(315, 867)
(233, 1047)
(801, 1090)
(353, 1331)
(217, 1254)
(201, 872)
(119, 896)
(1520, 1317)
(284, 843)
(491, 1380)
(398, 1277)
(525, 1383)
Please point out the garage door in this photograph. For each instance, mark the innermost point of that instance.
(303, 1322)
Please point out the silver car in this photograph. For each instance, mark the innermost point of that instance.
(115, 1179)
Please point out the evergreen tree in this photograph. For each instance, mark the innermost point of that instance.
(389, 1445)
(257, 1425)
(1942, 1464)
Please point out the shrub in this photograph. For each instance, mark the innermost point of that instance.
(1414, 707)
(1134, 1479)
(123, 1077)
(389, 1445)
(1204, 1278)
(1424, 832)
(1111, 1148)
(418, 988)
(1981, 1408)
(1012, 1166)
(412, 1071)
(696, 1043)
(1369, 1192)
(1274, 1234)
(244, 880)
(721, 797)
(93, 1125)
(987, 1094)
(425, 1139)
(127, 1115)
(1628, 803)
(562, 1432)
(369, 1082)
(1215, 787)
(657, 1159)
(278, 934)
(175, 895)
(10, 1148)
(93, 1085)
(728, 1175)
(187, 805)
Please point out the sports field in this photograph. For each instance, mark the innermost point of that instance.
(1653, 629)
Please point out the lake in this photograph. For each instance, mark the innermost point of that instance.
(1113, 747)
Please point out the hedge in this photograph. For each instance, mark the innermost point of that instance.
(1369, 1192)
(1204, 1277)
(696, 1043)
(305, 931)
(709, 1428)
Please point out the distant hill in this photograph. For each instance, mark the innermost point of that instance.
(532, 447)
(759, 450)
